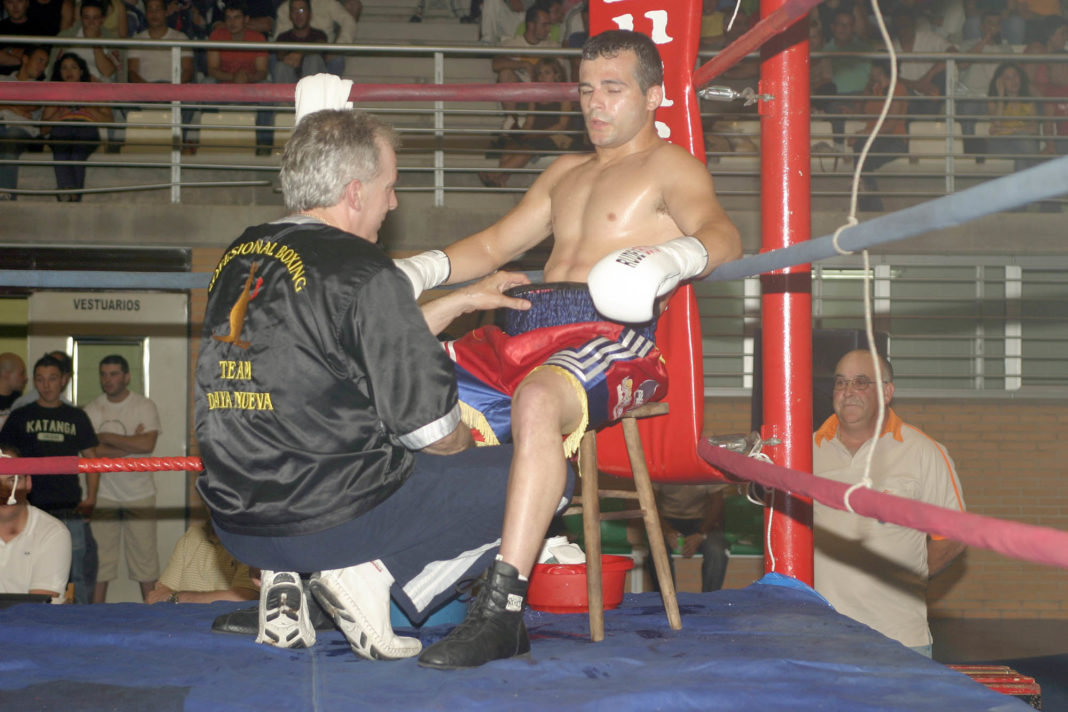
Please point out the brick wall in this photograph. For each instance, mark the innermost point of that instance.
(1012, 460)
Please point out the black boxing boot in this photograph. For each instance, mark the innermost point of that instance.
(493, 629)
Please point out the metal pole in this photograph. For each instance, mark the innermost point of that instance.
(787, 294)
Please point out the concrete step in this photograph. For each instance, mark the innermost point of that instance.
(399, 30)
(401, 69)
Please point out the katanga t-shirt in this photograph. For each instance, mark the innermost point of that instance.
(37, 431)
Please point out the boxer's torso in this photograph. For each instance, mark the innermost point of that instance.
(603, 205)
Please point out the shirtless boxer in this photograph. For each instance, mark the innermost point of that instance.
(631, 219)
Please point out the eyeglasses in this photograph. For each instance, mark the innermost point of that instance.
(860, 383)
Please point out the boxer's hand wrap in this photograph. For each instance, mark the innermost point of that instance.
(425, 270)
(625, 284)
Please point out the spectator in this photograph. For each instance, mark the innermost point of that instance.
(1013, 117)
(115, 19)
(521, 68)
(201, 571)
(555, 8)
(920, 77)
(31, 395)
(126, 424)
(12, 381)
(891, 142)
(293, 65)
(692, 519)
(35, 555)
(1027, 22)
(52, 16)
(544, 126)
(975, 80)
(241, 66)
(331, 17)
(76, 137)
(576, 28)
(821, 72)
(190, 18)
(49, 428)
(154, 65)
(1050, 80)
(102, 62)
(873, 572)
(15, 134)
(420, 9)
(849, 74)
(16, 22)
(500, 18)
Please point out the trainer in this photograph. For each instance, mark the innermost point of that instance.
(326, 410)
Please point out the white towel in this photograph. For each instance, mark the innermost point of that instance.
(322, 91)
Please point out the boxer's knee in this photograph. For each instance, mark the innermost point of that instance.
(545, 401)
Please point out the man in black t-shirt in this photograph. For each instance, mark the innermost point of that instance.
(326, 411)
(51, 428)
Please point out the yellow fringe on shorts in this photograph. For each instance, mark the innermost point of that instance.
(571, 442)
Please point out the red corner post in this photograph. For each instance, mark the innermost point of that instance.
(787, 294)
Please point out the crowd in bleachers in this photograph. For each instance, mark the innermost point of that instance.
(1017, 114)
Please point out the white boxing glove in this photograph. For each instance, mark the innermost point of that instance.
(321, 91)
(425, 270)
(625, 283)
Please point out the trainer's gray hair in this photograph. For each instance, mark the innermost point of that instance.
(328, 150)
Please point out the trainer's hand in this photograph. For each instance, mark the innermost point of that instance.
(488, 292)
(626, 283)
(425, 270)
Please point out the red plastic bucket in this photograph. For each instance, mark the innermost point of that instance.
(561, 588)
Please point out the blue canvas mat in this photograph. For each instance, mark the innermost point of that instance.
(766, 647)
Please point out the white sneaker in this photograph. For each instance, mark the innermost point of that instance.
(284, 621)
(358, 599)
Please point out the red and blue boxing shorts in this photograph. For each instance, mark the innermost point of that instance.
(612, 367)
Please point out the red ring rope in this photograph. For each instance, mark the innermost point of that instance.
(1029, 542)
(73, 465)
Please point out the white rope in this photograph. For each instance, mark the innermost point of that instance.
(11, 498)
(852, 220)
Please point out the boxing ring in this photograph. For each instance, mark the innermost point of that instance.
(773, 644)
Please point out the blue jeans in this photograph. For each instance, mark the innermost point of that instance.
(83, 559)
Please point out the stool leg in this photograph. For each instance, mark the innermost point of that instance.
(644, 485)
(591, 529)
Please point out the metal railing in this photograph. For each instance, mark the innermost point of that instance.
(447, 145)
(958, 326)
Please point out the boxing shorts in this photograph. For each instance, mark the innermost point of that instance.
(612, 367)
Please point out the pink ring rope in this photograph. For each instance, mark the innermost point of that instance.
(1029, 542)
(74, 465)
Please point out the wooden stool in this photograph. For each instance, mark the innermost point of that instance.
(592, 516)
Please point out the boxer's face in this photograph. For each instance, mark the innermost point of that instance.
(613, 105)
